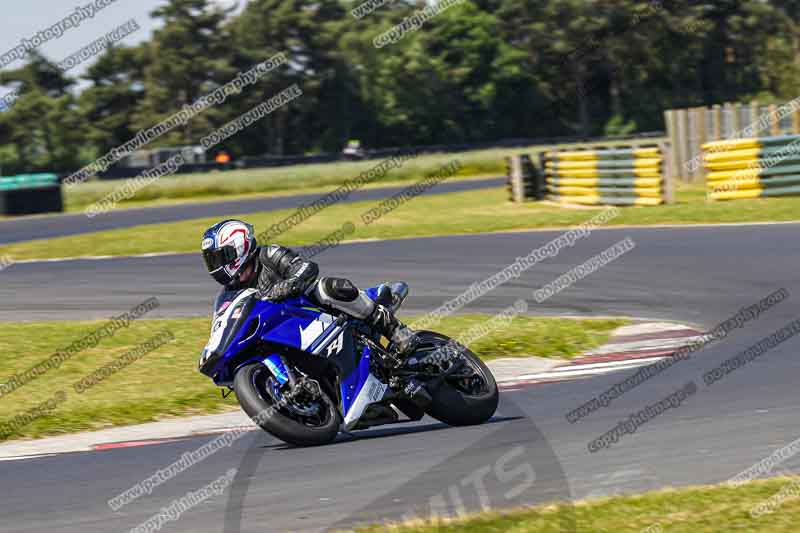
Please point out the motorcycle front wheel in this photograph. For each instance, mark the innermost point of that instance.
(301, 420)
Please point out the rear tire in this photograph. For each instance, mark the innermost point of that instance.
(249, 380)
(455, 407)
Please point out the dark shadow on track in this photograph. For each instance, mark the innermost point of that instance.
(393, 431)
(512, 465)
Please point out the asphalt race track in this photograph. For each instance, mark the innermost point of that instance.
(529, 453)
(47, 227)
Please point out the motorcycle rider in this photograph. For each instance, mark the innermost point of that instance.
(234, 259)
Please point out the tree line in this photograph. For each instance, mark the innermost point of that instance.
(480, 70)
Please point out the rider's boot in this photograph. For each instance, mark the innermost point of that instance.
(402, 337)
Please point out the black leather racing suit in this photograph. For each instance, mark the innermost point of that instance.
(281, 274)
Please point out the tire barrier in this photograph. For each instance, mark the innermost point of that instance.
(607, 176)
(689, 129)
(752, 168)
(30, 193)
(525, 182)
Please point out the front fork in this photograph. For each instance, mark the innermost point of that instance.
(285, 374)
(277, 365)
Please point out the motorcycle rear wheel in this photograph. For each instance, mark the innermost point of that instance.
(452, 403)
(283, 421)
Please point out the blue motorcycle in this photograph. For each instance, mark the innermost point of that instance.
(303, 374)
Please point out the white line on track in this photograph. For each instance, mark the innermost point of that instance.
(98, 257)
(524, 230)
(640, 346)
(23, 457)
(590, 369)
(650, 327)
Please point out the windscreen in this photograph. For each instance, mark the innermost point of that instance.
(224, 299)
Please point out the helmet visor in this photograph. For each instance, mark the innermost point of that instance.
(216, 259)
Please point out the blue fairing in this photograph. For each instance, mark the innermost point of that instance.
(351, 384)
(295, 315)
(281, 323)
(242, 321)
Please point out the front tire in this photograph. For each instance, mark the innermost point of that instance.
(251, 386)
(456, 404)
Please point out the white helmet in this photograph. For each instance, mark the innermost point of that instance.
(228, 247)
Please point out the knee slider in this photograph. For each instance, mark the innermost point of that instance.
(340, 289)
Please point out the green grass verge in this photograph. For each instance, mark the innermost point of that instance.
(455, 213)
(688, 510)
(292, 179)
(281, 180)
(166, 382)
(525, 336)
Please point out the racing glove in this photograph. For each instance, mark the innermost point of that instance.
(282, 290)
